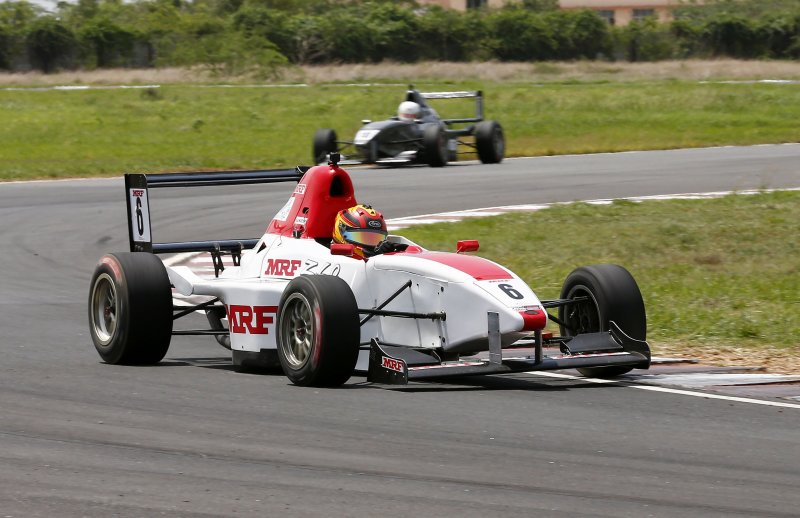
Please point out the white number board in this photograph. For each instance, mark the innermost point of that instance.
(140, 215)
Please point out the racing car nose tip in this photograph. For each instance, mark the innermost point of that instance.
(533, 319)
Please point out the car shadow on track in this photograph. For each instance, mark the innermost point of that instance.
(483, 383)
(450, 384)
(210, 362)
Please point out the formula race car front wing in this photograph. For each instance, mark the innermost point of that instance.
(397, 365)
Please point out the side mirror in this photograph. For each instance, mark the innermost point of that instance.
(345, 249)
(467, 245)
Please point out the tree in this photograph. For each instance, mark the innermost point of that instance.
(5, 48)
(731, 36)
(540, 5)
(49, 41)
(520, 35)
(107, 40)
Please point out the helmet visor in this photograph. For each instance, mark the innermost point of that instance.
(363, 237)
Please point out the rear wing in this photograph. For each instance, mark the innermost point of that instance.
(477, 95)
(137, 200)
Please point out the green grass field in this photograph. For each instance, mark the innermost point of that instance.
(713, 273)
(53, 134)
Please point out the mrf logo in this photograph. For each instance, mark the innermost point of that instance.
(137, 193)
(254, 320)
(282, 267)
(392, 364)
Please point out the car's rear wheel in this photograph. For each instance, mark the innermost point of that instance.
(324, 144)
(318, 331)
(130, 309)
(434, 145)
(490, 142)
(612, 295)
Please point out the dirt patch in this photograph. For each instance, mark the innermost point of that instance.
(770, 359)
(692, 70)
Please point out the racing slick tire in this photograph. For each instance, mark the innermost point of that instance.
(613, 295)
(130, 309)
(434, 145)
(490, 142)
(324, 143)
(318, 331)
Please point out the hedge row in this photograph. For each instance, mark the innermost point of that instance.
(244, 34)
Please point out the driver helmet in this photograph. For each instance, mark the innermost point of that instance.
(361, 226)
(408, 111)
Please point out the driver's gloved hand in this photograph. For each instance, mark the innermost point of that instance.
(387, 246)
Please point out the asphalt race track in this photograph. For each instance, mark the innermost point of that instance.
(193, 437)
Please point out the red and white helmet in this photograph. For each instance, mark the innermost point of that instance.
(361, 226)
(408, 111)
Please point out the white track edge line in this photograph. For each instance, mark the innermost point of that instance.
(628, 383)
(541, 206)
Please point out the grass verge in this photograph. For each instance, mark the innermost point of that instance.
(720, 277)
(56, 134)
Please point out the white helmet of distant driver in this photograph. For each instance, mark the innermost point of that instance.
(408, 111)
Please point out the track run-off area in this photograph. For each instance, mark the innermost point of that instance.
(193, 437)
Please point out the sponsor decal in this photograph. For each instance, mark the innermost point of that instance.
(300, 220)
(300, 189)
(283, 214)
(364, 136)
(282, 267)
(374, 223)
(392, 364)
(316, 268)
(254, 320)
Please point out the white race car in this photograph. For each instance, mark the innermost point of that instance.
(296, 299)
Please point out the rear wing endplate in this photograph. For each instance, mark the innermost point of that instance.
(137, 187)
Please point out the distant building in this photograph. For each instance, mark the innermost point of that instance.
(615, 12)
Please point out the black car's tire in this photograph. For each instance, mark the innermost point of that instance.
(490, 142)
(324, 143)
(613, 295)
(130, 309)
(434, 145)
(318, 331)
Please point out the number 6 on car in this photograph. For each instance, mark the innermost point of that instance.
(295, 299)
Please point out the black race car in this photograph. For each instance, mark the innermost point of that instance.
(417, 135)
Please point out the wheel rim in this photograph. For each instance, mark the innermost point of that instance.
(104, 308)
(583, 317)
(297, 330)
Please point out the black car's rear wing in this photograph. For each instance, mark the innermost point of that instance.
(477, 95)
(137, 200)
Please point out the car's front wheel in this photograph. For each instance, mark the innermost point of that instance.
(611, 294)
(318, 331)
(130, 309)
